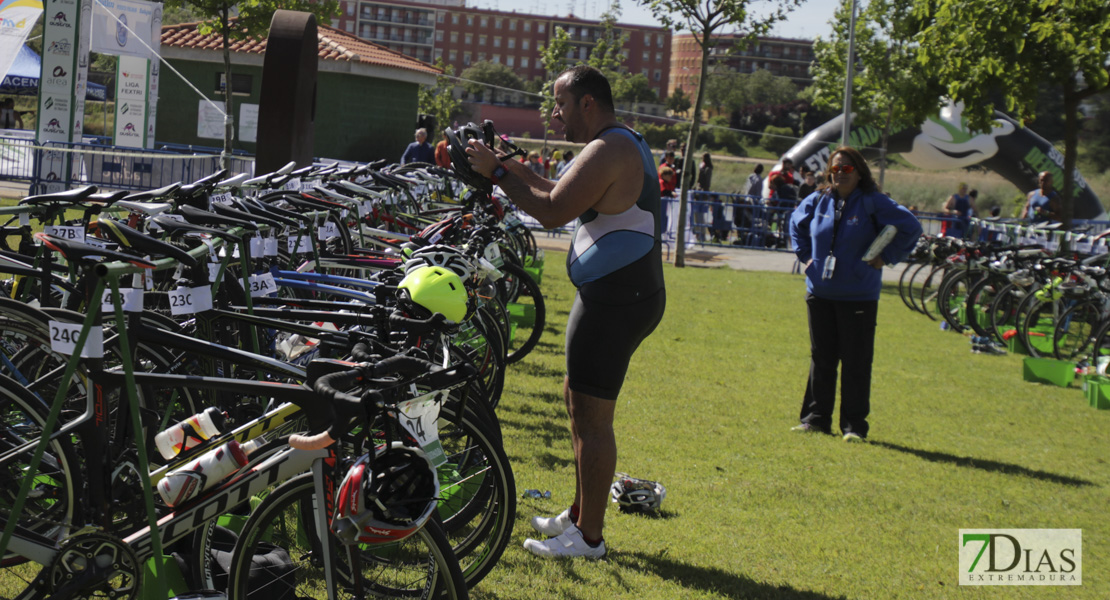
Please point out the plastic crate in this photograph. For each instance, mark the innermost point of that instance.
(535, 272)
(1048, 370)
(522, 314)
(1098, 392)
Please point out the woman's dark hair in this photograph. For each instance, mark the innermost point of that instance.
(584, 79)
(705, 158)
(866, 181)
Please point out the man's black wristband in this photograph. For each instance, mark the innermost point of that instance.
(498, 173)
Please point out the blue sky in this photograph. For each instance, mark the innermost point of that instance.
(809, 21)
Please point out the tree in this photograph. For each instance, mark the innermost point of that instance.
(705, 19)
(983, 49)
(634, 89)
(495, 77)
(889, 88)
(554, 58)
(252, 20)
(439, 100)
(678, 102)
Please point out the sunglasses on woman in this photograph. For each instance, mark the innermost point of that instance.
(841, 169)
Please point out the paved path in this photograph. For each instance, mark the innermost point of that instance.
(740, 259)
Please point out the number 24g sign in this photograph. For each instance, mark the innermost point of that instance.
(1021, 557)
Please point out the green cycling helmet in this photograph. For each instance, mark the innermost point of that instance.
(438, 290)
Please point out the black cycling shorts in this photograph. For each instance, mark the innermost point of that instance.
(604, 329)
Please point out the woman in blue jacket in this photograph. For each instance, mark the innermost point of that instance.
(832, 229)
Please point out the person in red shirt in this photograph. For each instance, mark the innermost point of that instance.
(443, 159)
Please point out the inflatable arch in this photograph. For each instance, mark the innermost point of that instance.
(943, 142)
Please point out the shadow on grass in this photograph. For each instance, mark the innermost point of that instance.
(552, 461)
(536, 370)
(985, 465)
(711, 580)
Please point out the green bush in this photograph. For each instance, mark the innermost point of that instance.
(774, 144)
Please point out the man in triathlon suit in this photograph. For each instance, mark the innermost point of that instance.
(616, 264)
(1043, 204)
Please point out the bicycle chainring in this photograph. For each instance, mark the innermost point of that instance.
(94, 565)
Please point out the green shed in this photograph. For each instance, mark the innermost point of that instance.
(366, 96)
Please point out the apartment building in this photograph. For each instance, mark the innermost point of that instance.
(783, 57)
(462, 36)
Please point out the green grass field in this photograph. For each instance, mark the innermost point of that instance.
(753, 510)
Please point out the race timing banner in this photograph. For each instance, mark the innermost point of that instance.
(17, 17)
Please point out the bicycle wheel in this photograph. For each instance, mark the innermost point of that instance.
(526, 310)
(1073, 334)
(917, 279)
(930, 289)
(1036, 319)
(1004, 308)
(51, 509)
(284, 524)
(979, 299)
(952, 300)
(904, 283)
(477, 492)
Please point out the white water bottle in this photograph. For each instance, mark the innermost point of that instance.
(204, 472)
(189, 433)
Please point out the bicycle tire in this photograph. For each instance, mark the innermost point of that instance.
(54, 510)
(1003, 309)
(530, 298)
(1073, 334)
(904, 285)
(952, 297)
(1034, 316)
(930, 289)
(421, 566)
(477, 492)
(979, 298)
(921, 272)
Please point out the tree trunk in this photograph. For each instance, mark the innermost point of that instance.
(229, 121)
(687, 172)
(1071, 145)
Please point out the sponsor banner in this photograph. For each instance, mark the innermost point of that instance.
(131, 102)
(62, 81)
(155, 70)
(210, 122)
(125, 27)
(17, 17)
(1021, 557)
(248, 122)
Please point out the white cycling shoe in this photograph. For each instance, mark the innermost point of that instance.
(568, 544)
(553, 526)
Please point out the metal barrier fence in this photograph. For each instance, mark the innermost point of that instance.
(109, 167)
(737, 220)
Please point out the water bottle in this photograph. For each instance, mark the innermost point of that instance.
(189, 433)
(205, 471)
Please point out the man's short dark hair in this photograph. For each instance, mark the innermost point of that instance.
(758, 169)
(584, 79)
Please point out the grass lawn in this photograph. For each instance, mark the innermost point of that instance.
(755, 511)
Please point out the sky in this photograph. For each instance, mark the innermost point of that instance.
(808, 21)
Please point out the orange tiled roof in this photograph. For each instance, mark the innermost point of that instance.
(333, 45)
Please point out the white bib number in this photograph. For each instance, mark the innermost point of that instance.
(299, 244)
(76, 234)
(328, 230)
(420, 417)
(186, 301)
(293, 184)
(270, 246)
(262, 285)
(225, 198)
(63, 339)
(131, 299)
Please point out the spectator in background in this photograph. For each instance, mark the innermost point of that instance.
(755, 183)
(443, 159)
(668, 160)
(535, 163)
(666, 193)
(961, 206)
(679, 157)
(556, 162)
(568, 160)
(1042, 204)
(420, 150)
(9, 118)
(809, 185)
(671, 146)
(786, 169)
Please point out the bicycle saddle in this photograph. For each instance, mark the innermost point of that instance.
(197, 216)
(85, 253)
(140, 242)
(66, 197)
